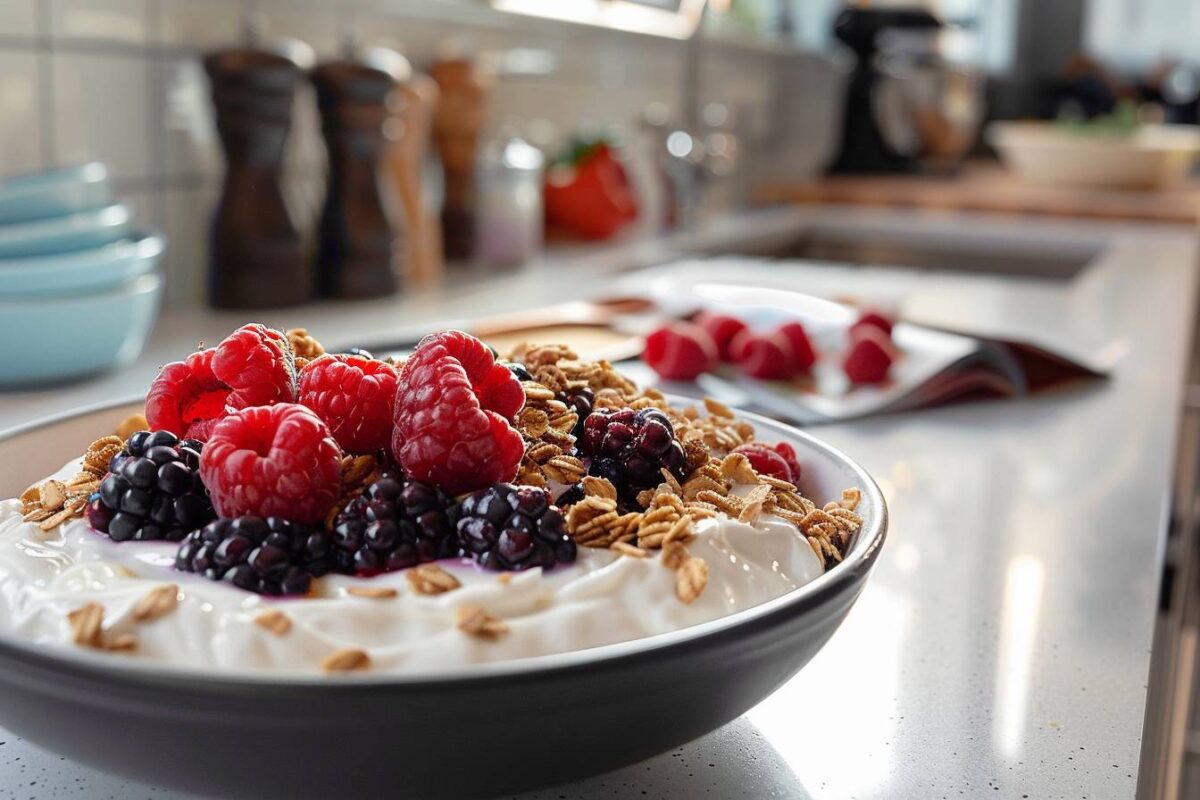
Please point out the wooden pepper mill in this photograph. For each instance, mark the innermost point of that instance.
(461, 111)
(256, 259)
(406, 161)
(360, 250)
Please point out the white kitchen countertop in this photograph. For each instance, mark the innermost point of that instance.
(1001, 647)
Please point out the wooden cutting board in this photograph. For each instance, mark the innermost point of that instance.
(987, 186)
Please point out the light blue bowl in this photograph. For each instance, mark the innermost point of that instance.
(51, 339)
(54, 193)
(82, 272)
(66, 234)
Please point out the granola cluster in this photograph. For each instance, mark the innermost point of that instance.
(717, 480)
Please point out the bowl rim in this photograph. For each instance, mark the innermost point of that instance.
(147, 283)
(139, 244)
(114, 215)
(842, 577)
(1150, 138)
(25, 183)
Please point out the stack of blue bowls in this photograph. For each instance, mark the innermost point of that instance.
(80, 287)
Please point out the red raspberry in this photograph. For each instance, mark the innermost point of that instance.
(764, 357)
(803, 355)
(354, 395)
(253, 366)
(453, 406)
(722, 329)
(789, 455)
(680, 352)
(869, 358)
(186, 398)
(272, 461)
(765, 460)
(872, 319)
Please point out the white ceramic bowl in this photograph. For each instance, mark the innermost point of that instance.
(52, 338)
(477, 730)
(1042, 152)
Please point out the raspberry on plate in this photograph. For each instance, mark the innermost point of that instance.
(272, 461)
(872, 319)
(722, 329)
(680, 351)
(803, 355)
(453, 408)
(253, 366)
(870, 357)
(764, 357)
(354, 395)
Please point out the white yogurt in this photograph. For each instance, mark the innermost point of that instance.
(600, 599)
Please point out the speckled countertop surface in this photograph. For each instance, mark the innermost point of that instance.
(1001, 648)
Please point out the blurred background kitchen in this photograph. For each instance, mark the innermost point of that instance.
(1014, 171)
(743, 111)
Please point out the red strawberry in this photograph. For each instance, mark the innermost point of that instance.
(869, 358)
(680, 352)
(764, 357)
(722, 329)
(803, 355)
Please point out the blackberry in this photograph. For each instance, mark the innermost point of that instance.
(581, 401)
(268, 556)
(631, 448)
(519, 370)
(571, 495)
(395, 523)
(152, 490)
(506, 527)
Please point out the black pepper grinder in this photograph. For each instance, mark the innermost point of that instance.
(256, 258)
(361, 249)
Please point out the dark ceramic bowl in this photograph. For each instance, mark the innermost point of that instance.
(471, 731)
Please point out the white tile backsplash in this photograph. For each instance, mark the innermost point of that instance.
(114, 20)
(18, 18)
(187, 214)
(200, 24)
(102, 111)
(192, 147)
(319, 24)
(20, 123)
